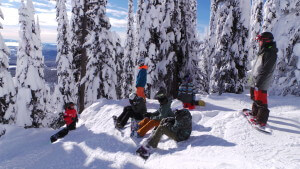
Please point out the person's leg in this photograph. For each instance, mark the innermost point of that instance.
(145, 128)
(62, 133)
(123, 113)
(72, 126)
(160, 131)
(261, 100)
(122, 120)
(140, 91)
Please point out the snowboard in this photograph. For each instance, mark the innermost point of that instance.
(248, 116)
(134, 126)
(143, 152)
(53, 138)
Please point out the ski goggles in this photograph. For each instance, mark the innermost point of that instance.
(262, 39)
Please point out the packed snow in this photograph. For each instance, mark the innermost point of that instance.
(221, 138)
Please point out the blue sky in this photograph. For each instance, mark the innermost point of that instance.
(116, 11)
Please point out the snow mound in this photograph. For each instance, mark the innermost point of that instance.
(221, 138)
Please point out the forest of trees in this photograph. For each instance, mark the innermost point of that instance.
(92, 63)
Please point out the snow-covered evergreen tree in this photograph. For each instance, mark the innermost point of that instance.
(30, 84)
(120, 67)
(271, 15)
(229, 57)
(169, 67)
(255, 27)
(286, 31)
(209, 47)
(129, 59)
(101, 78)
(64, 91)
(190, 42)
(7, 87)
(149, 42)
(78, 35)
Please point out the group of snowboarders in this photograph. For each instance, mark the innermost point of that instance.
(177, 124)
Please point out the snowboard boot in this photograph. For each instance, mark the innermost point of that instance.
(262, 116)
(116, 123)
(254, 109)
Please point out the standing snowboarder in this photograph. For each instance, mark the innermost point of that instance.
(141, 79)
(153, 119)
(178, 128)
(70, 118)
(136, 110)
(186, 93)
(262, 75)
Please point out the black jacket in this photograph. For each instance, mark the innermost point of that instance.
(264, 66)
(138, 105)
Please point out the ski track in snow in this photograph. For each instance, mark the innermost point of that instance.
(221, 138)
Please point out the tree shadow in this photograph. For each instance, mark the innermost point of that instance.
(210, 106)
(292, 123)
(197, 141)
(106, 142)
(198, 127)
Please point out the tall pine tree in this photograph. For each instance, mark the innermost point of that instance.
(78, 35)
(129, 59)
(7, 87)
(229, 57)
(287, 74)
(101, 76)
(65, 88)
(30, 84)
(256, 21)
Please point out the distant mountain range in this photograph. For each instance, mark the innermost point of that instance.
(49, 52)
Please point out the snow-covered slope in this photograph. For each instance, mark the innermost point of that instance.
(221, 138)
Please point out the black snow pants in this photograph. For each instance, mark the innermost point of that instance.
(62, 133)
(128, 113)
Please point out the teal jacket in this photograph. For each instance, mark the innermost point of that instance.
(164, 111)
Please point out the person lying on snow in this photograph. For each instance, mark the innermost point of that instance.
(137, 109)
(178, 128)
(186, 93)
(153, 119)
(70, 118)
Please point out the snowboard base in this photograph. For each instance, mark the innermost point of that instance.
(247, 114)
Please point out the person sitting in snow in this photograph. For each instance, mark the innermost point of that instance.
(141, 79)
(186, 93)
(178, 128)
(153, 119)
(262, 74)
(137, 109)
(70, 118)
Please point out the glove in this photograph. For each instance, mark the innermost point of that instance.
(168, 120)
(252, 93)
(149, 115)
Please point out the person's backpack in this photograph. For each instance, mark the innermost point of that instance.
(183, 124)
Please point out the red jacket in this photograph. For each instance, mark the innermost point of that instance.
(70, 115)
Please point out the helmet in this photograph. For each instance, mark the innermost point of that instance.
(187, 77)
(69, 105)
(265, 37)
(132, 96)
(141, 61)
(161, 95)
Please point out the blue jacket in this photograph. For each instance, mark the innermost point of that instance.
(141, 79)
